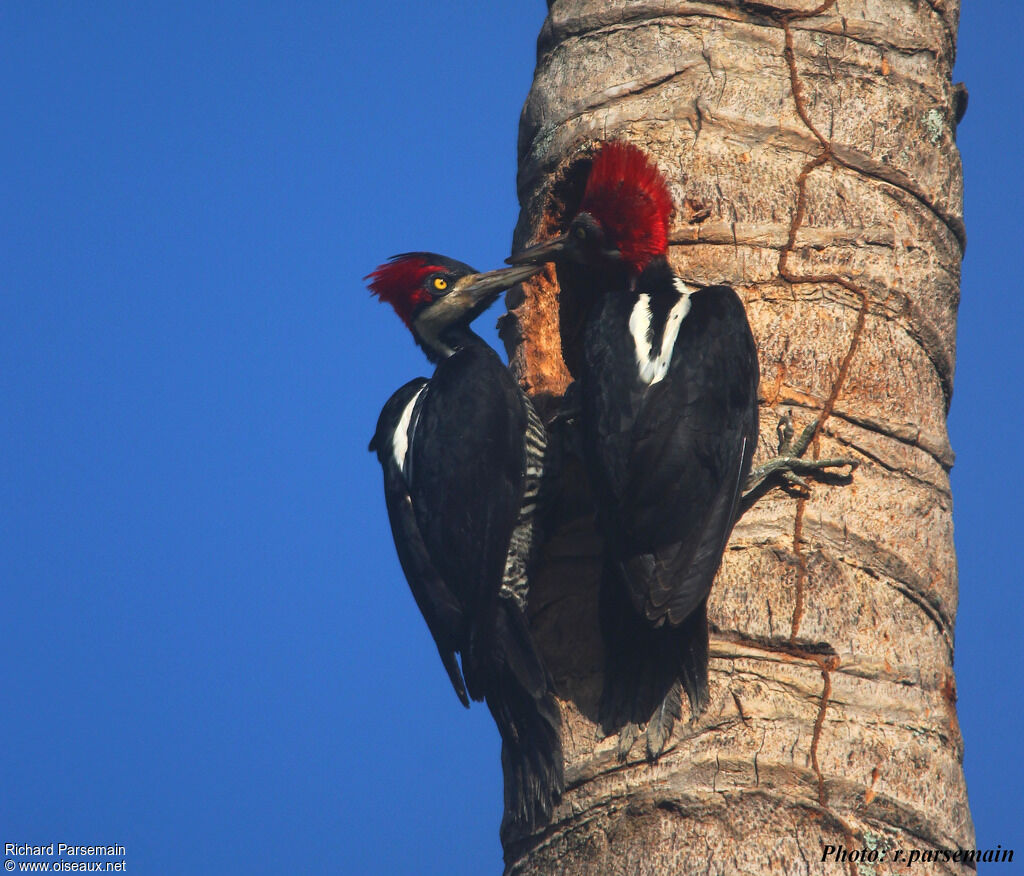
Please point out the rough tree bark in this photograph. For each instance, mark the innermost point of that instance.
(811, 156)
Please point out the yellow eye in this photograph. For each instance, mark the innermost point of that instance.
(440, 283)
(580, 232)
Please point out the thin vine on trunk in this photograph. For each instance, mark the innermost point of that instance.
(810, 149)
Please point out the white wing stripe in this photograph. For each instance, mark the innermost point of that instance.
(654, 368)
(400, 440)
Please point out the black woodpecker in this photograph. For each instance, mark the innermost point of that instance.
(667, 378)
(463, 456)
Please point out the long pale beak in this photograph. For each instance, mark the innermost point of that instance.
(472, 295)
(474, 288)
(541, 253)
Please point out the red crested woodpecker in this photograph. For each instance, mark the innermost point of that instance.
(667, 377)
(463, 456)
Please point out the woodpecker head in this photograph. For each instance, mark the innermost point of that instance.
(438, 297)
(622, 219)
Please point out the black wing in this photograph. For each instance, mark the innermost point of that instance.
(675, 471)
(466, 477)
(440, 608)
(467, 482)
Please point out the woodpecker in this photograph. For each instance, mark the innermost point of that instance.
(667, 378)
(463, 456)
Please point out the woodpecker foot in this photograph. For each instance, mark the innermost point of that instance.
(563, 427)
(568, 409)
(789, 465)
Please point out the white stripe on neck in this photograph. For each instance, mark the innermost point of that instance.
(400, 440)
(653, 368)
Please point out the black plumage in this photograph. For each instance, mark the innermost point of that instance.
(462, 456)
(667, 378)
(667, 458)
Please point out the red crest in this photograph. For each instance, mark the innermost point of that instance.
(629, 197)
(400, 283)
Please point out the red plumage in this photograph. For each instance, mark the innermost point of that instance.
(400, 283)
(629, 197)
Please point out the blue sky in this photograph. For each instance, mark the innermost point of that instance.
(209, 654)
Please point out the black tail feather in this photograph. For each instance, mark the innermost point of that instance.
(659, 728)
(454, 675)
(648, 667)
(519, 694)
(692, 653)
(636, 674)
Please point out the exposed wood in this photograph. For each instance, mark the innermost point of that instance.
(810, 152)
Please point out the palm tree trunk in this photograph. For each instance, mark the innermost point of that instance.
(811, 155)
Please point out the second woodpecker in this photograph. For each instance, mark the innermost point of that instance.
(667, 378)
(462, 455)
